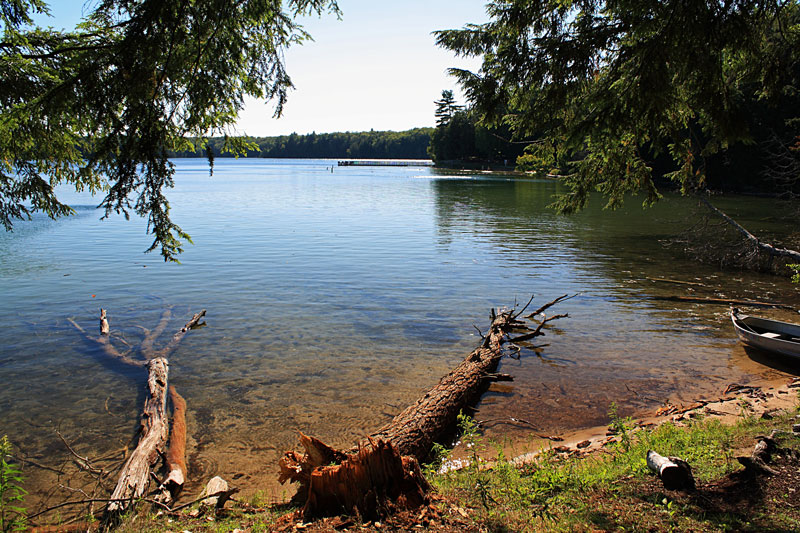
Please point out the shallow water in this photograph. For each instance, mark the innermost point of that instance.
(334, 299)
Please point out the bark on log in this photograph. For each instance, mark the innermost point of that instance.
(135, 476)
(384, 469)
(105, 329)
(414, 431)
(675, 473)
(176, 453)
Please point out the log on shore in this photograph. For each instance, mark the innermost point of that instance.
(383, 471)
(756, 463)
(135, 475)
(675, 473)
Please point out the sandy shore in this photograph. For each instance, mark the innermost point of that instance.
(736, 401)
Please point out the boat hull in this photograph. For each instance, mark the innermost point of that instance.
(768, 335)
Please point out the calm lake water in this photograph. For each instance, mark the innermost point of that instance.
(335, 299)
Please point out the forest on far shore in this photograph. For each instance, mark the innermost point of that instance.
(410, 144)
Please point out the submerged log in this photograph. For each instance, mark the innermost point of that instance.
(154, 425)
(104, 341)
(176, 339)
(135, 476)
(722, 301)
(383, 471)
(176, 453)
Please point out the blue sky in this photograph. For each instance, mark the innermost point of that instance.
(377, 68)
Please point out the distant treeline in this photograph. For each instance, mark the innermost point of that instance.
(410, 144)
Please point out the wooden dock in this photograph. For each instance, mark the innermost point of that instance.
(385, 163)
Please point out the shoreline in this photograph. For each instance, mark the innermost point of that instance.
(759, 400)
(756, 397)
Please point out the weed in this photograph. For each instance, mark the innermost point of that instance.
(623, 427)
(12, 516)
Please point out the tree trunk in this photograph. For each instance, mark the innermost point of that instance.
(366, 482)
(414, 431)
(135, 476)
(384, 469)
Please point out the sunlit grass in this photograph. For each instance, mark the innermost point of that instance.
(555, 493)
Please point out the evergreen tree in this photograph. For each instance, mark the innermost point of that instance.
(101, 106)
(607, 87)
(446, 108)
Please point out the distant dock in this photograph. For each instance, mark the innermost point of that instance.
(385, 163)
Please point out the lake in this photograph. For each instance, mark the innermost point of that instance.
(336, 298)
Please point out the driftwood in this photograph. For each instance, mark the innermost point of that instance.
(675, 473)
(722, 301)
(135, 475)
(384, 469)
(762, 454)
(773, 251)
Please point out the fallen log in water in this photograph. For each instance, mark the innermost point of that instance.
(175, 459)
(722, 301)
(384, 469)
(135, 476)
(414, 431)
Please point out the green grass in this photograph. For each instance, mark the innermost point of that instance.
(603, 490)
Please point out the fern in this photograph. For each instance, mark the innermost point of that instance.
(12, 516)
